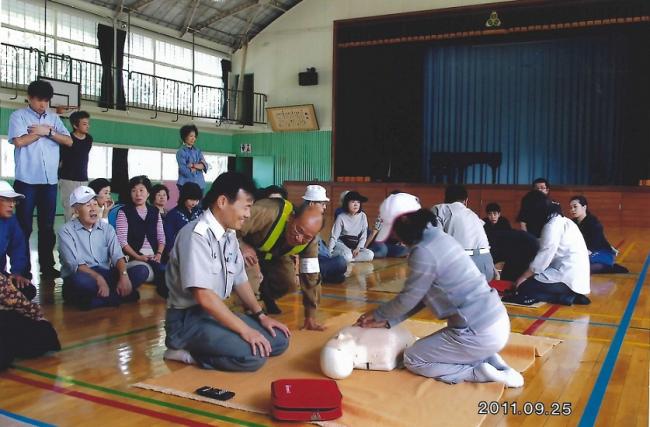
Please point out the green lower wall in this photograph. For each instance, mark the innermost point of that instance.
(277, 157)
(298, 156)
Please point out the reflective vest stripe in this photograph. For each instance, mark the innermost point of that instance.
(276, 232)
(277, 228)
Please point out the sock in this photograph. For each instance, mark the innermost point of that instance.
(485, 373)
(497, 361)
(513, 378)
(179, 356)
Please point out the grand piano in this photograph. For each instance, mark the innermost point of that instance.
(452, 167)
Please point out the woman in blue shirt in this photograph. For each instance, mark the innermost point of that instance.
(187, 209)
(191, 163)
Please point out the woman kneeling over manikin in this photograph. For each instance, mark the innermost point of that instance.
(445, 280)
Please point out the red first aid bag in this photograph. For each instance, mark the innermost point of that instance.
(305, 400)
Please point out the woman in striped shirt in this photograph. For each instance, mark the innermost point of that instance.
(140, 232)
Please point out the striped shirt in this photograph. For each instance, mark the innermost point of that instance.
(122, 229)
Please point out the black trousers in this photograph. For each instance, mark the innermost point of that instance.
(554, 293)
(516, 248)
(24, 337)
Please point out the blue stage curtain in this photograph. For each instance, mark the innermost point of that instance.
(553, 108)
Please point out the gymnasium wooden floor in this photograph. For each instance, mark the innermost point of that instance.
(600, 369)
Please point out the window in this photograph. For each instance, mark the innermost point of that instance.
(7, 165)
(145, 162)
(218, 165)
(157, 165)
(100, 161)
(169, 167)
(74, 33)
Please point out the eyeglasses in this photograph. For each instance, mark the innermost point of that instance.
(9, 200)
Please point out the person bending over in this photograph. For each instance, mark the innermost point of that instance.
(446, 281)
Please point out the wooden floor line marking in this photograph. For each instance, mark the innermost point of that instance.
(103, 401)
(132, 396)
(592, 408)
(537, 323)
(24, 419)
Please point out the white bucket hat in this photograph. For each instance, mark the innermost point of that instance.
(6, 190)
(315, 193)
(392, 207)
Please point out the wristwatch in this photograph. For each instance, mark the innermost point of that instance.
(124, 273)
(258, 314)
(49, 135)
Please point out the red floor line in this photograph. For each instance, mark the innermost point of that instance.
(537, 323)
(620, 244)
(103, 401)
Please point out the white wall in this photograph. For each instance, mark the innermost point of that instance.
(303, 37)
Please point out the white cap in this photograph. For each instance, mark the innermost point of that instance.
(315, 193)
(395, 206)
(82, 195)
(6, 190)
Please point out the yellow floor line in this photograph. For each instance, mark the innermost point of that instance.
(626, 252)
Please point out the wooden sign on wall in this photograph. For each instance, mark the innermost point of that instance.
(292, 118)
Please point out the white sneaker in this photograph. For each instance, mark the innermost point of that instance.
(179, 356)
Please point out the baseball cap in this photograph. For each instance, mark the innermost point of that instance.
(82, 195)
(6, 190)
(392, 207)
(315, 193)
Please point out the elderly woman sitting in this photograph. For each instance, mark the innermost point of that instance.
(24, 332)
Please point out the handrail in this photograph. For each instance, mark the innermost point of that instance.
(20, 65)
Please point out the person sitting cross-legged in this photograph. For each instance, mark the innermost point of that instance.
(141, 234)
(93, 265)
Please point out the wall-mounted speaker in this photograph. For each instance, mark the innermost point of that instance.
(308, 78)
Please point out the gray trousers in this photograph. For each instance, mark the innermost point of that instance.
(365, 255)
(212, 345)
(485, 264)
(452, 354)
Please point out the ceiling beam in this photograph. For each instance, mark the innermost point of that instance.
(139, 5)
(190, 16)
(276, 5)
(119, 9)
(221, 15)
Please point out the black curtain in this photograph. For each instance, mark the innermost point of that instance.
(378, 110)
(226, 67)
(247, 100)
(105, 46)
(120, 180)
